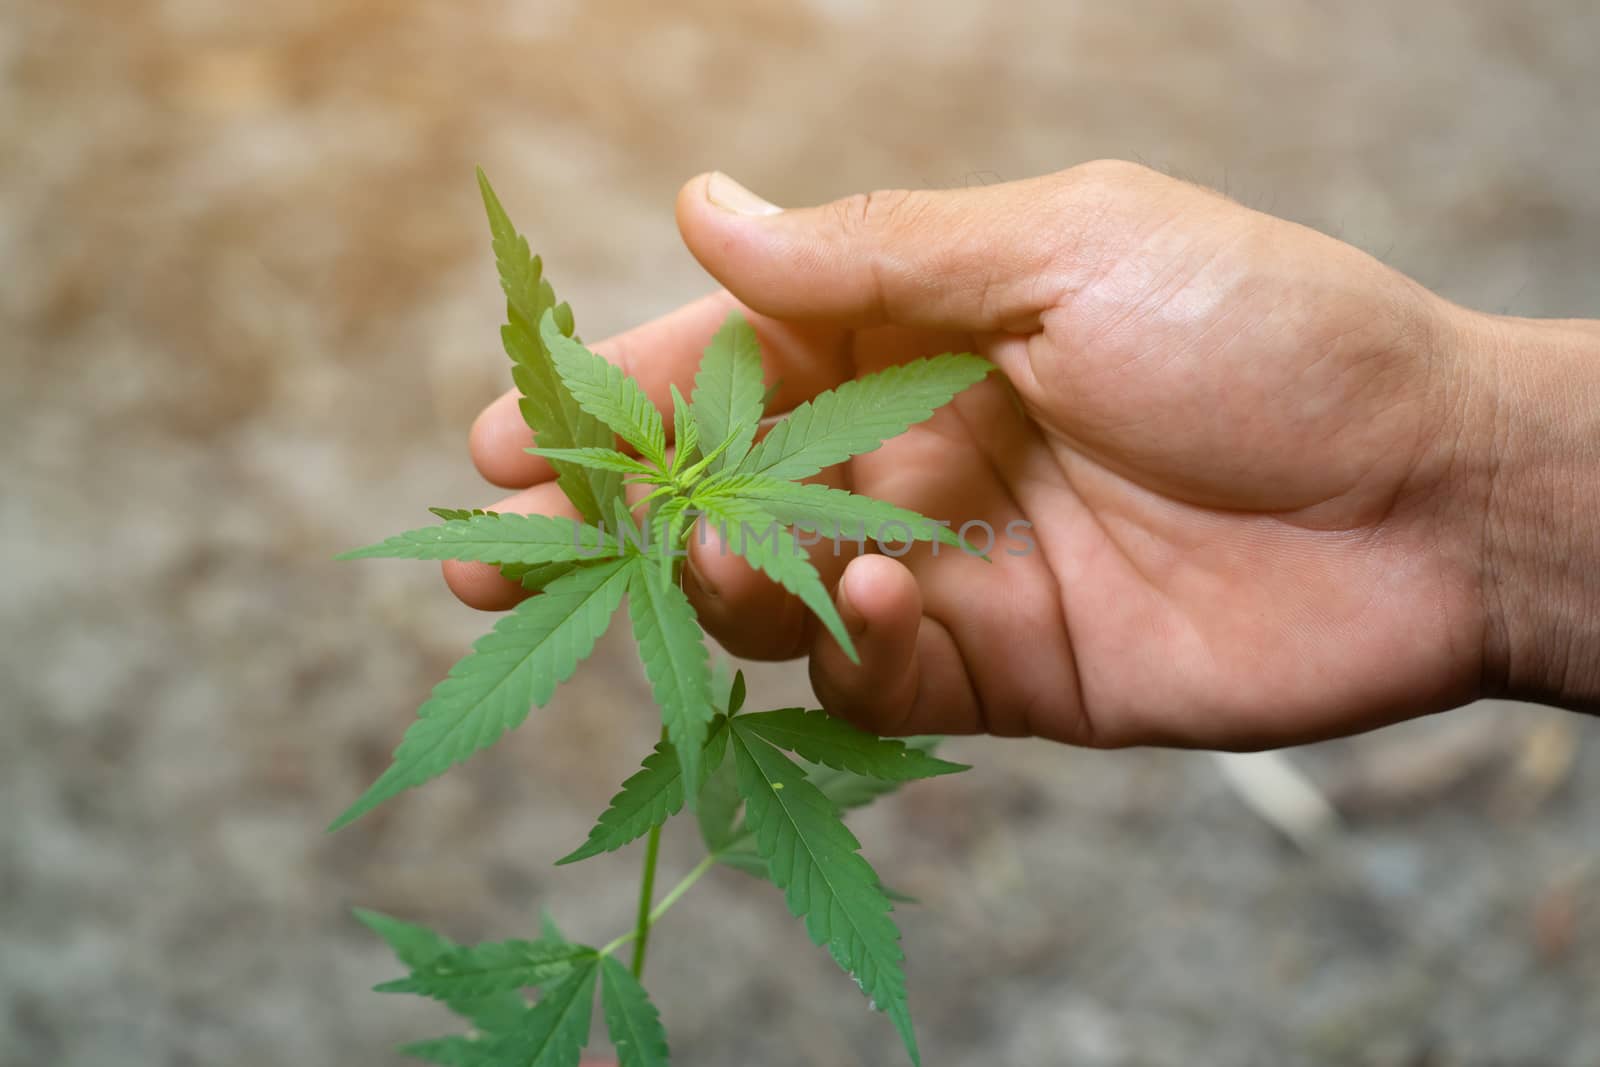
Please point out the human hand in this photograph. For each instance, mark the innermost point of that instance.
(1256, 463)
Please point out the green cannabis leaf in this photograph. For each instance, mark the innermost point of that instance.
(685, 434)
(647, 799)
(831, 512)
(771, 549)
(419, 948)
(491, 537)
(758, 811)
(511, 669)
(729, 841)
(816, 861)
(728, 397)
(458, 513)
(847, 790)
(678, 666)
(746, 860)
(601, 389)
(531, 576)
(719, 797)
(631, 1020)
(555, 1031)
(535, 577)
(413, 945)
(719, 808)
(474, 971)
(820, 738)
(860, 415)
(600, 459)
(549, 410)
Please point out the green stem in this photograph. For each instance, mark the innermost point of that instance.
(682, 887)
(660, 909)
(647, 887)
(617, 942)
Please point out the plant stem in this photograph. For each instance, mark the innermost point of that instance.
(647, 886)
(682, 887)
(667, 901)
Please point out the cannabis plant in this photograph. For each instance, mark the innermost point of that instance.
(767, 787)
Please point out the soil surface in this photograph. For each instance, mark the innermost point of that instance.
(249, 313)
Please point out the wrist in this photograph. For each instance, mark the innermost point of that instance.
(1535, 468)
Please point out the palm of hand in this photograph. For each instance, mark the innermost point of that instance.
(1230, 497)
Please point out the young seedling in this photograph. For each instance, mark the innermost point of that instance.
(760, 809)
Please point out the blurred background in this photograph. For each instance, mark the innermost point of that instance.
(249, 312)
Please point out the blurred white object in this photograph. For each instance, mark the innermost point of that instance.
(1275, 789)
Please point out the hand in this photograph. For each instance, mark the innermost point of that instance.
(1251, 457)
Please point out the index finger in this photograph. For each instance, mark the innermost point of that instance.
(804, 359)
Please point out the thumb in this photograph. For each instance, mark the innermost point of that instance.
(986, 259)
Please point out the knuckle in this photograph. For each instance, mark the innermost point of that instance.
(877, 212)
(1111, 184)
(1109, 172)
(880, 231)
(1117, 181)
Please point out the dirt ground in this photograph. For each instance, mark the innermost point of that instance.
(249, 312)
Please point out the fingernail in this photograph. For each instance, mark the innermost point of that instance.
(855, 623)
(699, 579)
(729, 195)
(708, 542)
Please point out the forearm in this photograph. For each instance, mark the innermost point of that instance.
(1538, 409)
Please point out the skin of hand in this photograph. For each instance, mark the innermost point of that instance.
(1276, 491)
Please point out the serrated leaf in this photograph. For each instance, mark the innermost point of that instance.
(860, 415)
(535, 576)
(531, 576)
(763, 542)
(495, 538)
(604, 459)
(512, 668)
(745, 860)
(728, 399)
(550, 934)
(847, 790)
(521, 272)
(602, 390)
(695, 474)
(631, 1020)
(417, 946)
(835, 513)
(667, 530)
(678, 666)
(549, 410)
(455, 1051)
(554, 1032)
(820, 738)
(472, 971)
(719, 804)
(625, 533)
(736, 693)
(649, 797)
(558, 422)
(685, 432)
(413, 944)
(815, 860)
